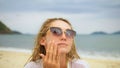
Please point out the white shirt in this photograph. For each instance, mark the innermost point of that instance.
(73, 64)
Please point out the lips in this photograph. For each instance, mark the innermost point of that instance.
(63, 44)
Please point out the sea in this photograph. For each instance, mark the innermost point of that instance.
(88, 46)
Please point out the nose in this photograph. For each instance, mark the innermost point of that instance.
(63, 36)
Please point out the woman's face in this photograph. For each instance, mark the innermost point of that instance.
(63, 42)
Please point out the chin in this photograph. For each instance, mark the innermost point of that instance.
(63, 50)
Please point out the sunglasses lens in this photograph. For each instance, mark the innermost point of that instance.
(70, 33)
(56, 31)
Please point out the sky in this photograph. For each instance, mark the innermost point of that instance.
(86, 16)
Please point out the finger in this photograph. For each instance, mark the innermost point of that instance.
(58, 59)
(57, 56)
(54, 52)
(51, 51)
(47, 49)
(48, 46)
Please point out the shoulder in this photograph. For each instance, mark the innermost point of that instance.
(33, 64)
(77, 63)
(30, 65)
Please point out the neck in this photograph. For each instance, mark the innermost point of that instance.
(63, 61)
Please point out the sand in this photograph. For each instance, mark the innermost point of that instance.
(11, 59)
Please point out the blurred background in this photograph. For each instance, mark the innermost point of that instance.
(97, 23)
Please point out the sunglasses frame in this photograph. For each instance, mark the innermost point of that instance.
(68, 32)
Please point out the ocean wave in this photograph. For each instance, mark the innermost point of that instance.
(99, 55)
(15, 49)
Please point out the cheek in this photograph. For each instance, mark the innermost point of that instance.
(50, 37)
(70, 45)
(70, 42)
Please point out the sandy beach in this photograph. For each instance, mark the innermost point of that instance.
(11, 59)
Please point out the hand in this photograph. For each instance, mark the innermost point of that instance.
(51, 59)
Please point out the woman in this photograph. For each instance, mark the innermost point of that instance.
(55, 47)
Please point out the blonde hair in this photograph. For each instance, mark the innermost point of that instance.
(39, 48)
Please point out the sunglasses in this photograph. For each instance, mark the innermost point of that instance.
(58, 32)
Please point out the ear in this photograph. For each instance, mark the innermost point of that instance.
(42, 41)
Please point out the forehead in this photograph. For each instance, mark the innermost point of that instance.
(61, 24)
